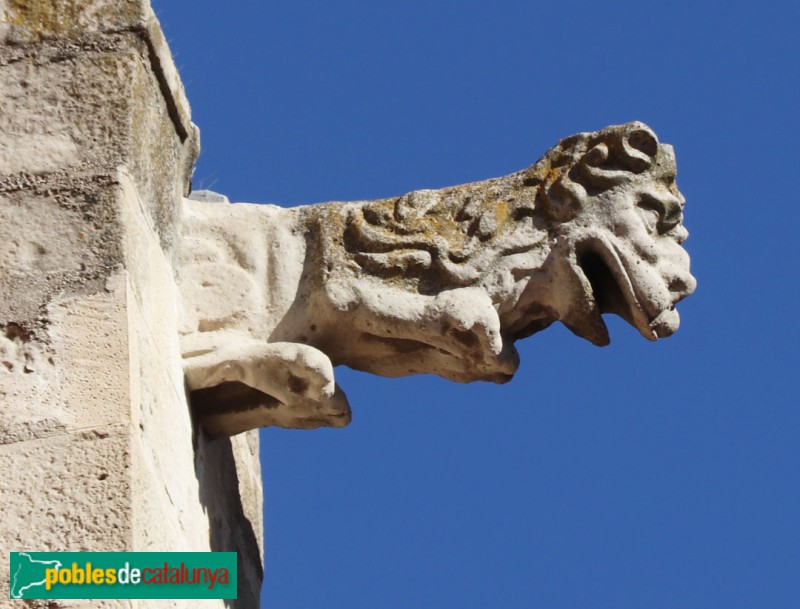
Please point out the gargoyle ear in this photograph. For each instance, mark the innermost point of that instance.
(643, 140)
(616, 154)
(638, 148)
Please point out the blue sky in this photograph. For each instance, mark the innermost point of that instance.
(639, 475)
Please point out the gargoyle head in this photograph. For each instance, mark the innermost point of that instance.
(616, 232)
(593, 227)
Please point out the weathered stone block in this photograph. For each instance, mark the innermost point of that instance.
(73, 252)
(77, 377)
(70, 113)
(35, 20)
(91, 112)
(69, 492)
(96, 150)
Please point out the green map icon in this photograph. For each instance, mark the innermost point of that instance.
(27, 573)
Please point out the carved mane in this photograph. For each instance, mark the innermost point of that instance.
(455, 235)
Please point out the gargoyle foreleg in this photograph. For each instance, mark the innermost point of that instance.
(453, 320)
(466, 315)
(297, 376)
(461, 323)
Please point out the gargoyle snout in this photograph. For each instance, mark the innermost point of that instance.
(682, 286)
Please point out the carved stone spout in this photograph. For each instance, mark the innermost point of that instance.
(440, 282)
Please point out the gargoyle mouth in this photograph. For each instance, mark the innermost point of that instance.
(615, 292)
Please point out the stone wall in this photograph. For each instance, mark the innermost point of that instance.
(97, 448)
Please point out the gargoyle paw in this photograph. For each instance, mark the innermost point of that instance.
(309, 372)
(469, 316)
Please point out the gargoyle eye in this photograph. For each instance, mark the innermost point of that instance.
(672, 218)
(660, 215)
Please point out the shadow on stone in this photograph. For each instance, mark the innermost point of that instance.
(230, 529)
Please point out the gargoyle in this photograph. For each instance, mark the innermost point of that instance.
(440, 282)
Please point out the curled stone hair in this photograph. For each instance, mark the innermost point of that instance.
(453, 235)
(587, 164)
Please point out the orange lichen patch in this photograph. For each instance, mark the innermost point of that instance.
(502, 212)
(38, 19)
(43, 17)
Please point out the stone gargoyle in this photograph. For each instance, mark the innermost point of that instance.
(435, 281)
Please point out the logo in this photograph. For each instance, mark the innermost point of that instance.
(122, 575)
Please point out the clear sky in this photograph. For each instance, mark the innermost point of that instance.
(640, 475)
